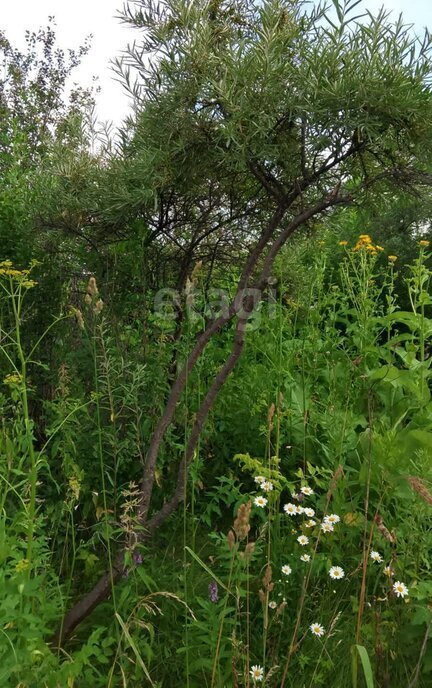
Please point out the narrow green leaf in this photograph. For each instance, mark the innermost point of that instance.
(367, 668)
(206, 568)
(134, 648)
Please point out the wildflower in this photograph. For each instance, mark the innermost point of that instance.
(98, 306)
(257, 673)
(303, 540)
(137, 557)
(79, 317)
(213, 592)
(343, 243)
(392, 259)
(267, 486)
(299, 509)
(231, 538)
(22, 565)
(74, 486)
(305, 557)
(12, 379)
(424, 242)
(272, 604)
(306, 490)
(92, 289)
(241, 524)
(309, 512)
(379, 248)
(388, 571)
(290, 509)
(259, 479)
(418, 486)
(332, 519)
(317, 629)
(336, 572)
(376, 556)
(364, 242)
(260, 501)
(400, 589)
(286, 570)
(248, 551)
(327, 527)
(310, 524)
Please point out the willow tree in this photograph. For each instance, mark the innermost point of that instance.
(258, 119)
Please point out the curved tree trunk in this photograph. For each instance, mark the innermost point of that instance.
(241, 307)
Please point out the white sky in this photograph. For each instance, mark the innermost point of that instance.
(77, 18)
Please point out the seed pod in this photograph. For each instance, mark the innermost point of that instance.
(231, 539)
(92, 289)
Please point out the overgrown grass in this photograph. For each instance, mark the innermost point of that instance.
(301, 556)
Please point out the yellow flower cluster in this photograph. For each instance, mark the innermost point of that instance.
(7, 269)
(365, 243)
(424, 242)
(22, 566)
(12, 379)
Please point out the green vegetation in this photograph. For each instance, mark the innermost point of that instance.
(215, 349)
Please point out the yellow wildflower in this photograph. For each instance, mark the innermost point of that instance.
(74, 486)
(379, 248)
(22, 565)
(423, 242)
(343, 243)
(12, 379)
(392, 259)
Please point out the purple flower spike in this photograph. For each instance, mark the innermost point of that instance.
(213, 592)
(137, 557)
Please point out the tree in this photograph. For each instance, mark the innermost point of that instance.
(255, 120)
(34, 112)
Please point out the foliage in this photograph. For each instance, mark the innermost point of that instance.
(286, 492)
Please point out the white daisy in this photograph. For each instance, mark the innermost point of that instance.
(336, 572)
(272, 604)
(260, 501)
(286, 570)
(317, 629)
(310, 524)
(309, 512)
(257, 673)
(332, 519)
(388, 571)
(376, 556)
(299, 509)
(303, 540)
(290, 509)
(326, 527)
(305, 557)
(267, 486)
(259, 479)
(307, 490)
(400, 589)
